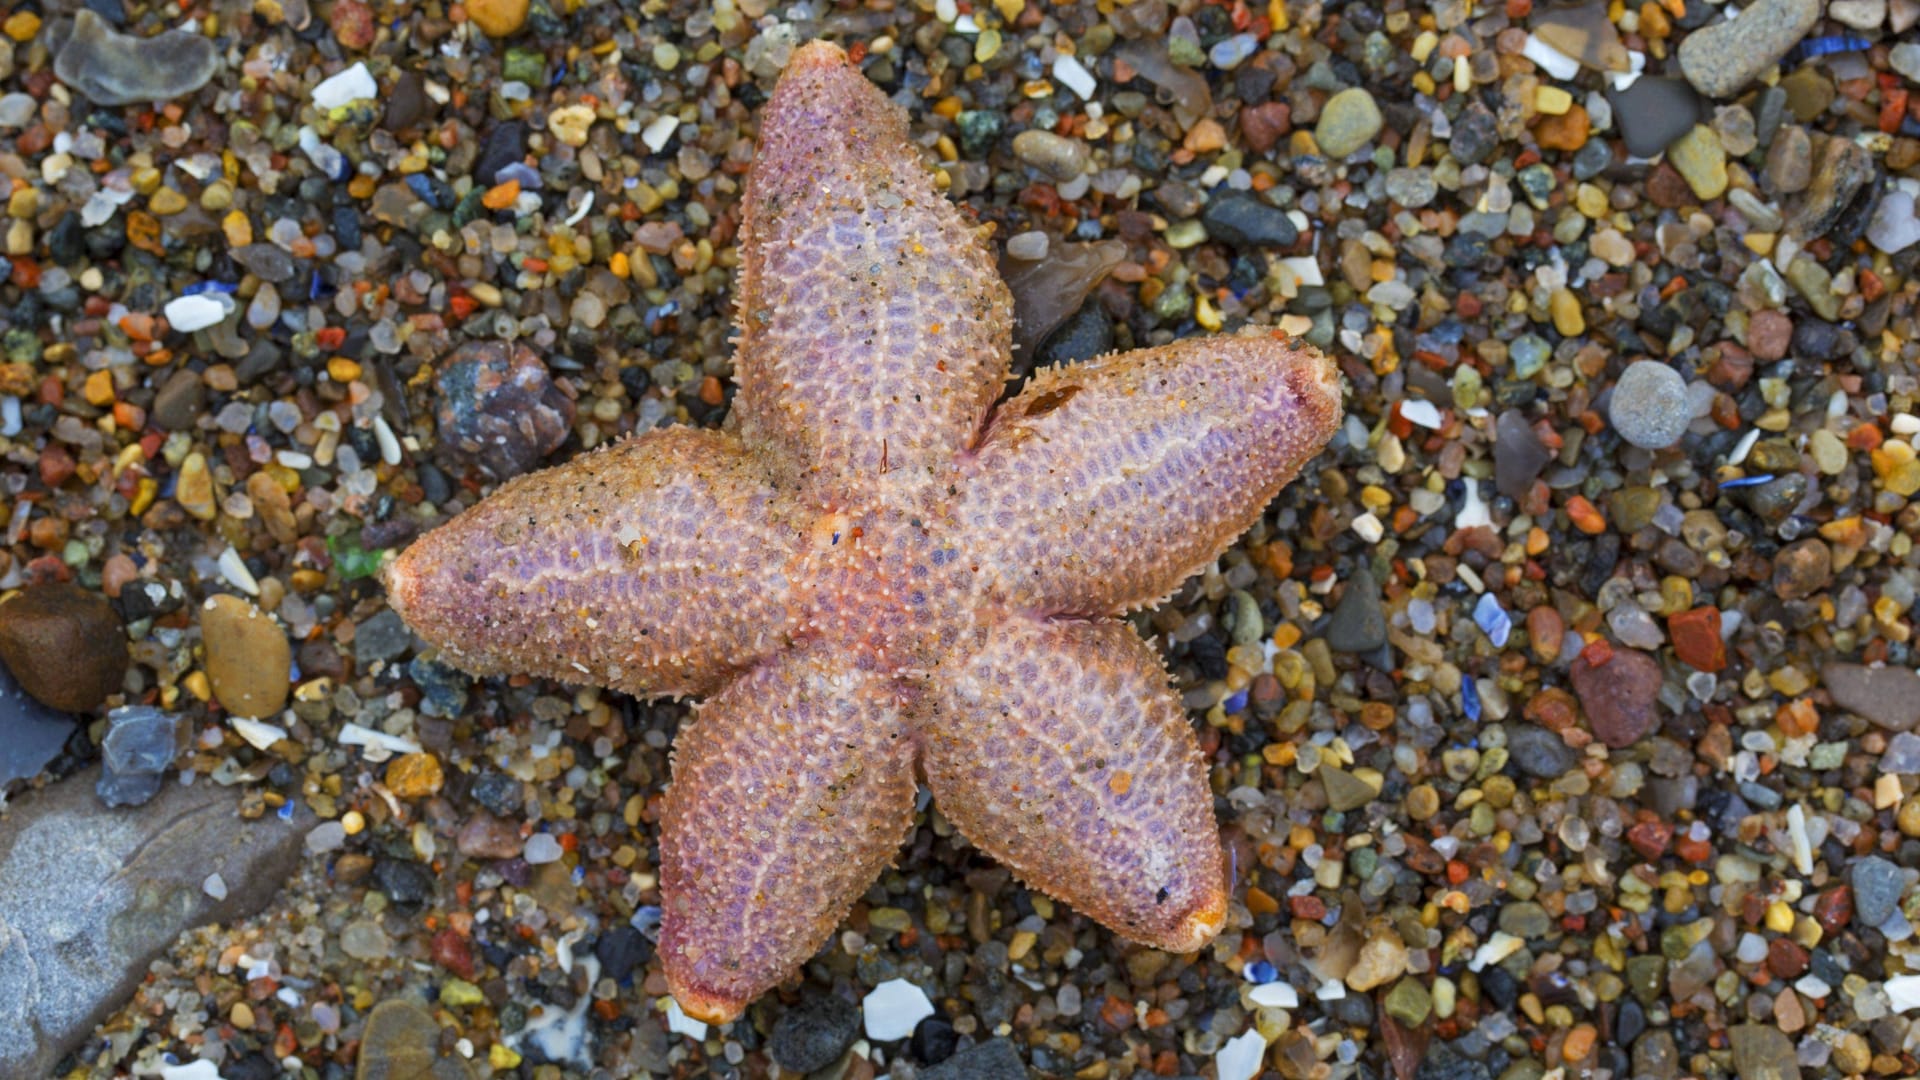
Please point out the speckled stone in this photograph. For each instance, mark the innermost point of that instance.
(1649, 405)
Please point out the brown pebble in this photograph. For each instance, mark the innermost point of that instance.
(1802, 568)
(1619, 697)
(65, 645)
(1545, 632)
(1768, 335)
(248, 658)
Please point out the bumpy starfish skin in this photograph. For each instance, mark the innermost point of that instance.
(877, 575)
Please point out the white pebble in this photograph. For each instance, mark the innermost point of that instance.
(260, 736)
(353, 84)
(894, 1009)
(1903, 992)
(10, 416)
(197, 312)
(1075, 76)
(1904, 423)
(215, 886)
(357, 735)
(326, 836)
(1422, 412)
(541, 849)
(234, 569)
(1305, 269)
(1498, 947)
(389, 446)
(657, 133)
(1368, 528)
(680, 1023)
(1240, 1058)
(1275, 995)
(193, 1070)
(1797, 835)
(1473, 511)
(1551, 60)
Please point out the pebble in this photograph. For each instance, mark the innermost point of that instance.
(498, 18)
(1888, 696)
(1859, 14)
(542, 848)
(1540, 753)
(1242, 220)
(1649, 406)
(1802, 569)
(893, 1009)
(138, 748)
(1723, 57)
(65, 645)
(346, 87)
(485, 836)
(402, 1042)
(814, 1033)
(1620, 697)
(1701, 161)
(1518, 454)
(1348, 121)
(32, 735)
(112, 68)
(1382, 959)
(1894, 226)
(247, 657)
(1761, 1052)
(1359, 623)
(1877, 886)
(1055, 155)
(995, 1059)
(498, 410)
(197, 311)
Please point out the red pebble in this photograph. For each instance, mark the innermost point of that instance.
(1834, 908)
(56, 465)
(1650, 839)
(1696, 639)
(452, 952)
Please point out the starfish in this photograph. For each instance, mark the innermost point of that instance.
(875, 576)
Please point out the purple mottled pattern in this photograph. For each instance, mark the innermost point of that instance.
(875, 575)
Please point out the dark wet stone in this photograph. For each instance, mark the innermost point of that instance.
(933, 1040)
(138, 749)
(1774, 501)
(1047, 291)
(979, 130)
(65, 645)
(1086, 334)
(1540, 753)
(1877, 885)
(995, 1059)
(180, 401)
(1359, 624)
(408, 105)
(1244, 220)
(498, 792)
(1619, 697)
(1888, 696)
(1475, 134)
(265, 261)
(31, 734)
(67, 240)
(382, 637)
(620, 951)
(815, 1033)
(497, 409)
(1655, 1056)
(407, 884)
(506, 143)
(90, 896)
(1443, 1062)
(1518, 455)
(1653, 112)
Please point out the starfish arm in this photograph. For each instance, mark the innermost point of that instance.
(659, 566)
(1104, 484)
(792, 789)
(874, 328)
(1059, 750)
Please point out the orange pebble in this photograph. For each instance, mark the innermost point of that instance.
(1586, 517)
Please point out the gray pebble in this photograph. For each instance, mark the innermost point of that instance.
(1649, 407)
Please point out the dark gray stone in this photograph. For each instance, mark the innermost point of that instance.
(815, 1033)
(89, 897)
(1243, 220)
(1877, 885)
(1359, 624)
(1540, 753)
(31, 734)
(995, 1059)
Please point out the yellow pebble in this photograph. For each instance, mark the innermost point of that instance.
(21, 26)
(197, 685)
(353, 823)
(412, 776)
(238, 229)
(242, 1015)
(1552, 101)
(502, 1058)
(99, 388)
(342, 370)
(1779, 917)
(1567, 317)
(618, 264)
(166, 201)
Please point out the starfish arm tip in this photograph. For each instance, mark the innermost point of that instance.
(1201, 925)
(707, 1006)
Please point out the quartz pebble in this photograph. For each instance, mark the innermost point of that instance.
(892, 1009)
(113, 68)
(1649, 405)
